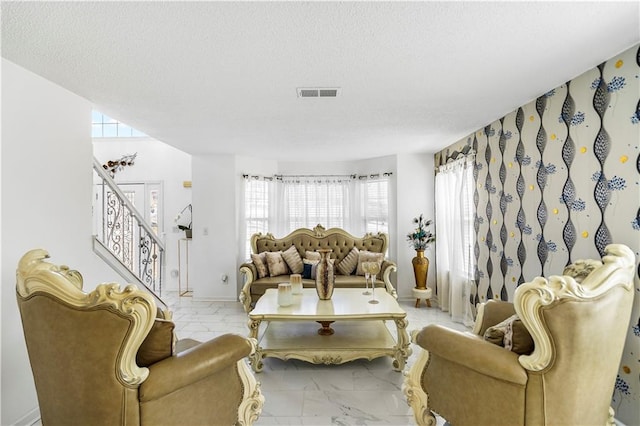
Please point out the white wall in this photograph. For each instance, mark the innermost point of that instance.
(411, 194)
(155, 162)
(415, 186)
(214, 245)
(46, 203)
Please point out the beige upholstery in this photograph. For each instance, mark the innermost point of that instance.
(579, 332)
(338, 240)
(83, 347)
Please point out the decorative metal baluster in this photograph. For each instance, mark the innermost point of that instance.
(119, 219)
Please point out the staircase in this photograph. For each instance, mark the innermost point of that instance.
(123, 239)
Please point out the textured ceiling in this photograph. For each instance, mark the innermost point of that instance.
(221, 77)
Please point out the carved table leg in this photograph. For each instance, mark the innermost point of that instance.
(326, 329)
(255, 359)
(403, 350)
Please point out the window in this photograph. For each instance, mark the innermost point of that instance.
(376, 204)
(357, 204)
(103, 126)
(256, 208)
(316, 200)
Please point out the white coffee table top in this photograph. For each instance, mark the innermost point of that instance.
(345, 303)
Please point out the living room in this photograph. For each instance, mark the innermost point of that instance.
(46, 184)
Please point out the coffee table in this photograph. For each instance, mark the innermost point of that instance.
(334, 331)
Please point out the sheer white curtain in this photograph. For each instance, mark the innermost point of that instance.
(279, 204)
(454, 232)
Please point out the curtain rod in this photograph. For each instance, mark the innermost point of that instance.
(352, 176)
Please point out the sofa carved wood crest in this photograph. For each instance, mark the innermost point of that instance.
(308, 240)
(110, 357)
(576, 324)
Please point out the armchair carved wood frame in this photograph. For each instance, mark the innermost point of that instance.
(578, 329)
(83, 350)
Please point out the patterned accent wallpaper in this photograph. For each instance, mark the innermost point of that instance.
(557, 180)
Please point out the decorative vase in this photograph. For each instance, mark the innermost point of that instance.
(420, 269)
(284, 294)
(325, 278)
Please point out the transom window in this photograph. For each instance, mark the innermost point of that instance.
(103, 126)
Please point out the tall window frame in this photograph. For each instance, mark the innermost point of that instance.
(280, 204)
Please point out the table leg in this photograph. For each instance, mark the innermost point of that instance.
(255, 359)
(326, 329)
(403, 350)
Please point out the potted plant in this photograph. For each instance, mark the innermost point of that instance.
(420, 238)
(184, 221)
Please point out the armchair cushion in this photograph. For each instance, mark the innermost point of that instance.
(510, 334)
(193, 364)
(159, 344)
(471, 351)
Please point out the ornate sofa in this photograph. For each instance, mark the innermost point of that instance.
(308, 240)
(558, 366)
(109, 357)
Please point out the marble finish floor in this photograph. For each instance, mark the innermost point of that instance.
(299, 393)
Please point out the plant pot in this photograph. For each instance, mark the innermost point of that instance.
(188, 233)
(420, 269)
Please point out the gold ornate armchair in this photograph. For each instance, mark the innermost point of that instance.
(567, 377)
(108, 357)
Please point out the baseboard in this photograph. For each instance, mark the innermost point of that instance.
(29, 419)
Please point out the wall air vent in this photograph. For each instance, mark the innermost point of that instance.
(316, 92)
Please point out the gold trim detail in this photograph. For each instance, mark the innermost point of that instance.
(252, 400)
(415, 395)
(35, 275)
(531, 298)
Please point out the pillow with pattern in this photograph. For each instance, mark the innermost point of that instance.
(349, 263)
(277, 265)
(260, 262)
(293, 259)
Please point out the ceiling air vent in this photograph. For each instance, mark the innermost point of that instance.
(310, 92)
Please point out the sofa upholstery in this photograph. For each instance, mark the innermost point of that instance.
(304, 239)
(84, 350)
(578, 330)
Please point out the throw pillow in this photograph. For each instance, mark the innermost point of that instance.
(512, 335)
(277, 265)
(309, 269)
(293, 259)
(158, 345)
(368, 256)
(311, 255)
(260, 261)
(349, 263)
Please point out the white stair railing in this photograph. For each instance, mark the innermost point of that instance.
(123, 231)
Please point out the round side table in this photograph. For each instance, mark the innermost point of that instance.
(425, 294)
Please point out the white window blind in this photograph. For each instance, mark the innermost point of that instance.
(256, 208)
(317, 200)
(281, 204)
(375, 204)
